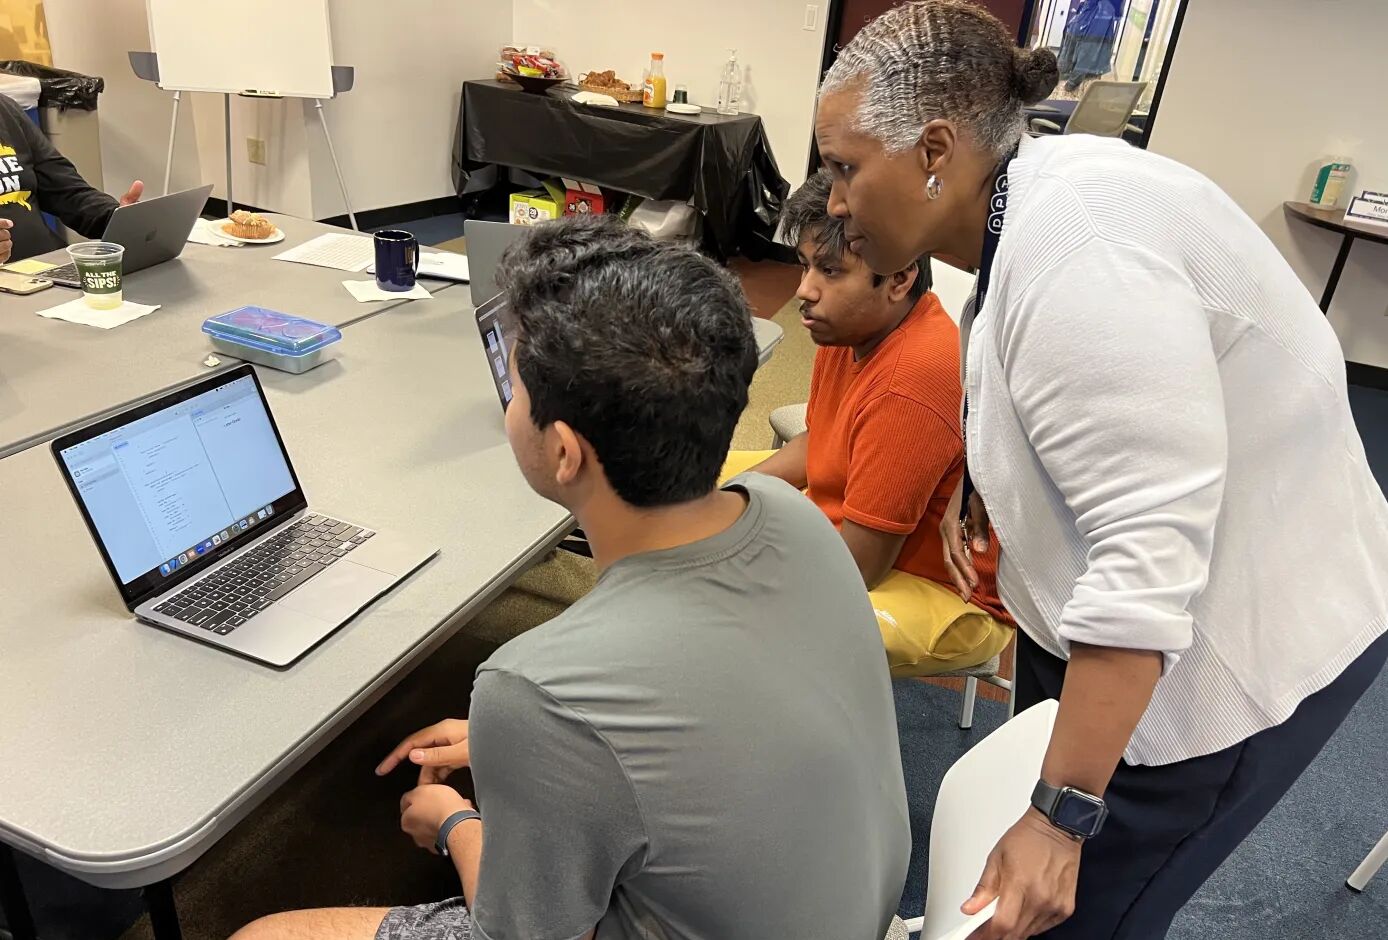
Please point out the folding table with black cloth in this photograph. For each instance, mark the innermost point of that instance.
(722, 164)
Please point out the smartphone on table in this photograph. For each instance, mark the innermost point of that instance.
(12, 283)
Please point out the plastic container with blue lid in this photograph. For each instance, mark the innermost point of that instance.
(269, 338)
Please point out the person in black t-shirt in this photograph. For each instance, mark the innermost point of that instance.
(36, 178)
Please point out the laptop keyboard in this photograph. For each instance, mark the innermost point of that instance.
(241, 590)
(66, 272)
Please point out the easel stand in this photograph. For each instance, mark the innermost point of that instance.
(146, 66)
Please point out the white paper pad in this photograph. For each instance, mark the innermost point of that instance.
(343, 252)
(367, 290)
(77, 311)
(205, 233)
(444, 265)
(440, 265)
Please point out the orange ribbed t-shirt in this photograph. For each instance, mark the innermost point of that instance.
(885, 448)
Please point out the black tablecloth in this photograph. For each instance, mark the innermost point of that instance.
(721, 163)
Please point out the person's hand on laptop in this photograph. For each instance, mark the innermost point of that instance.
(6, 241)
(133, 194)
(424, 810)
(437, 750)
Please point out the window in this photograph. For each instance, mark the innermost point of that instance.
(1117, 40)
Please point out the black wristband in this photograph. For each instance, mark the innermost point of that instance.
(451, 823)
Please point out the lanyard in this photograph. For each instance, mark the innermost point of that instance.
(992, 234)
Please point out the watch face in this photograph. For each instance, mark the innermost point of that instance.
(1079, 812)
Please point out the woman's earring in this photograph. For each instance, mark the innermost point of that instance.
(933, 186)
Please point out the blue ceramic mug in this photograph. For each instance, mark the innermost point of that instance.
(397, 260)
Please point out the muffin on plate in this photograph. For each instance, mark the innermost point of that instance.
(245, 224)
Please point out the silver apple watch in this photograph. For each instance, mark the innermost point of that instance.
(451, 823)
(1070, 810)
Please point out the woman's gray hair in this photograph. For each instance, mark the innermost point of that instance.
(950, 59)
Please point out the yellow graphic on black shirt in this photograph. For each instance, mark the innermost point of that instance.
(10, 193)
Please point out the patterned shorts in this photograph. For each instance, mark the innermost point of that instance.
(446, 920)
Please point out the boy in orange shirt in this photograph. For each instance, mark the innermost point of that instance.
(883, 453)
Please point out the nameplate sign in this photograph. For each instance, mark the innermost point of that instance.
(1368, 208)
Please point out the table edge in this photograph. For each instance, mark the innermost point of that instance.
(1349, 229)
(147, 864)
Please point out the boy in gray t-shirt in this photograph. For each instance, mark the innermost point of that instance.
(704, 746)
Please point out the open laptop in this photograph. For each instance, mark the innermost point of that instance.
(496, 346)
(486, 241)
(199, 516)
(152, 231)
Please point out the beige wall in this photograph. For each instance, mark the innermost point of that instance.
(94, 38)
(393, 132)
(781, 58)
(1251, 103)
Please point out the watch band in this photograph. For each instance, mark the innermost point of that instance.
(451, 823)
(1044, 797)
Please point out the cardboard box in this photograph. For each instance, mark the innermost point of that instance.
(533, 207)
(581, 198)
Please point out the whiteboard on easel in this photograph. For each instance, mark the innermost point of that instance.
(270, 47)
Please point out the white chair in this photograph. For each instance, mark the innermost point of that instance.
(1103, 110)
(953, 286)
(787, 421)
(1370, 866)
(982, 795)
(983, 672)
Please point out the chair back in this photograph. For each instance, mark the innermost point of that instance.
(1105, 108)
(982, 795)
(952, 286)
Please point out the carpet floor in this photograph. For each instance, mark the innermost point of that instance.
(330, 836)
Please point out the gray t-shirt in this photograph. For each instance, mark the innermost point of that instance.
(703, 747)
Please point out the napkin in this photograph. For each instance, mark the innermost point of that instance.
(77, 311)
(205, 233)
(366, 291)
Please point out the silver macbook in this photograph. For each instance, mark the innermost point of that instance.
(152, 231)
(486, 241)
(199, 516)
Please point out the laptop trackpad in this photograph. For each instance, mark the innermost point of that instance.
(339, 592)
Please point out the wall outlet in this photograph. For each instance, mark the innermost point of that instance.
(255, 150)
(811, 17)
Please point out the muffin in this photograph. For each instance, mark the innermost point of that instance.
(245, 224)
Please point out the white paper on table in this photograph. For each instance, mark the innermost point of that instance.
(77, 311)
(369, 290)
(205, 233)
(973, 923)
(342, 252)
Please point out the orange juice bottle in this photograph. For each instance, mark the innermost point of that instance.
(653, 93)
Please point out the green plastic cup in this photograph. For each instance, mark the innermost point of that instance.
(99, 270)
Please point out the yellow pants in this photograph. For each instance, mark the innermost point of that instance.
(926, 627)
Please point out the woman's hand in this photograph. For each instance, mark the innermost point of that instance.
(958, 555)
(1032, 871)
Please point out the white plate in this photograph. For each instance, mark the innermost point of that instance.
(217, 228)
(680, 108)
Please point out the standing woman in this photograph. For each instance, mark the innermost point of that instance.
(1158, 423)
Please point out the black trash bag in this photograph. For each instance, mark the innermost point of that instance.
(58, 88)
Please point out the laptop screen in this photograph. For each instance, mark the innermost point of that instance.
(496, 346)
(163, 489)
